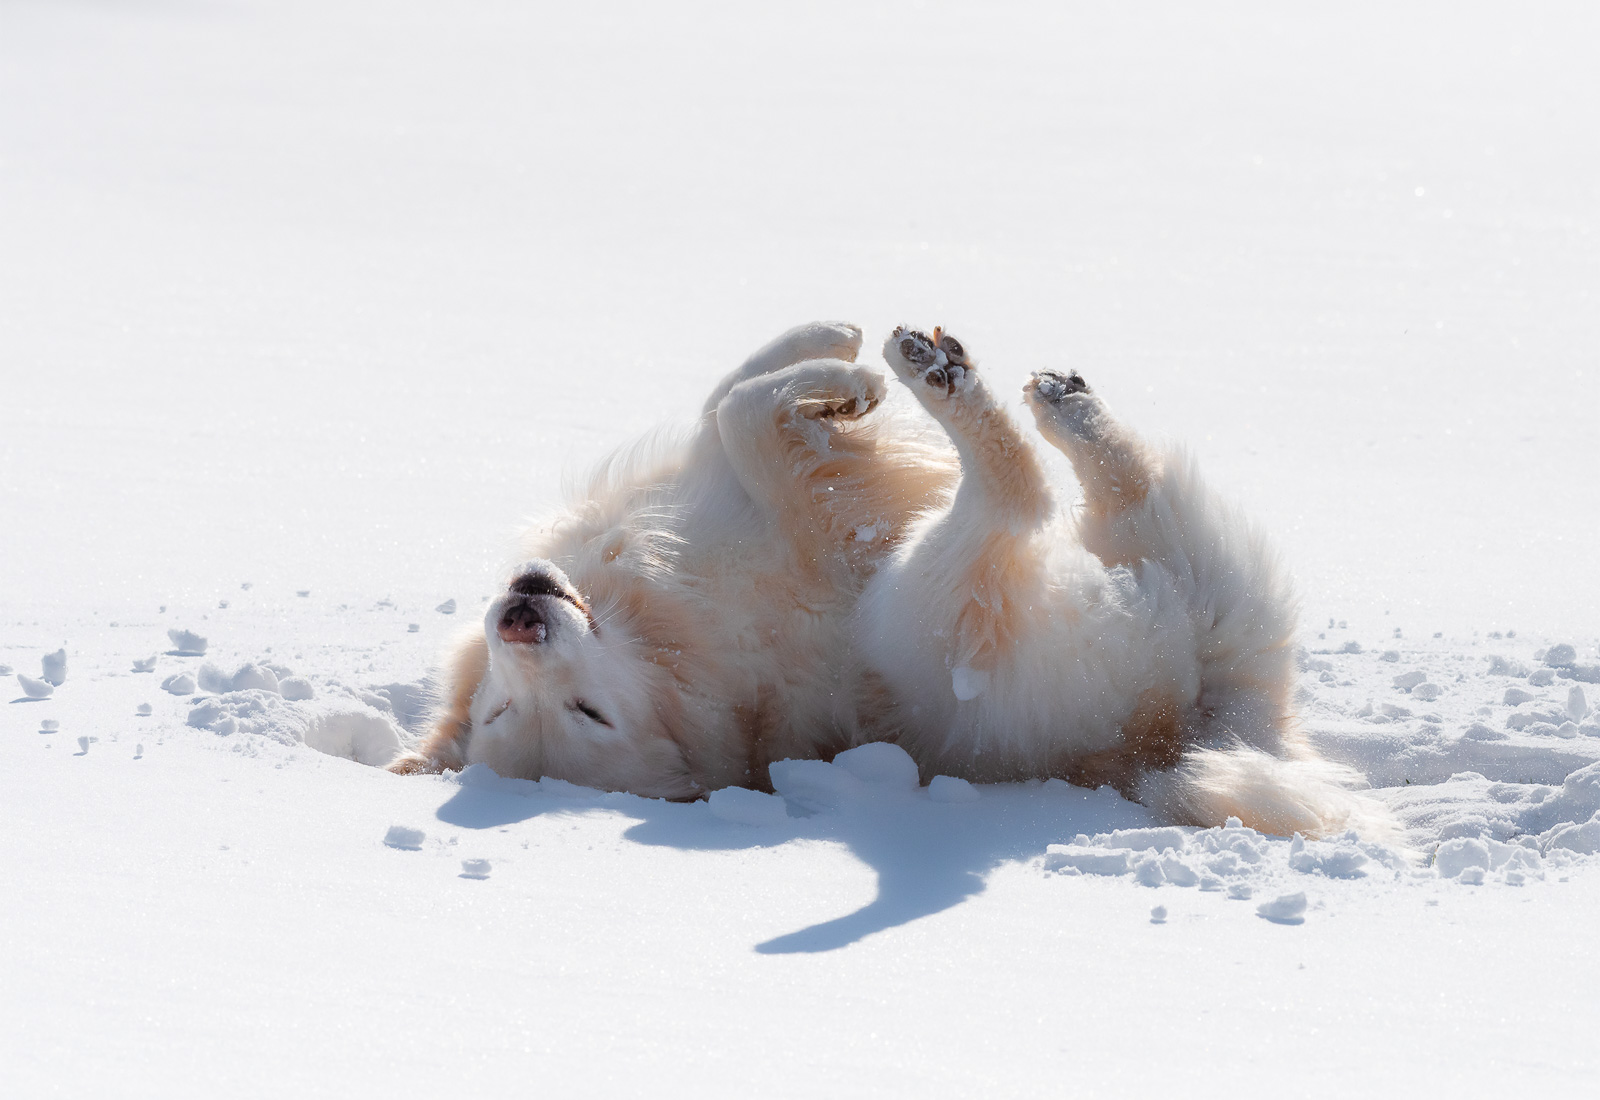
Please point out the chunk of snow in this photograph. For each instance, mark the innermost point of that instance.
(1541, 677)
(144, 664)
(187, 642)
(83, 744)
(34, 689)
(1390, 655)
(1158, 915)
(746, 807)
(1284, 909)
(296, 689)
(213, 679)
(880, 762)
(1408, 680)
(1427, 692)
(1577, 704)
(399, 836)
(475, 868)
(447, 608)
(1584, 838)
(1335, 860)
(1459, 854)
(1505, 666)
(1561, 656)
(49, 725)
(1515, 697)
(812, 786)
(948, 788)
(179, 683)
(144, 710)
(968, 683)
(253, 678)
(55, 667)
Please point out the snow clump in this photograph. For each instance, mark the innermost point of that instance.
(187, 643)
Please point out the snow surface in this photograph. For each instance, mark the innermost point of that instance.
(306, 304)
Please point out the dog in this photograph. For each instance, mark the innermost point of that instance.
(809, 570)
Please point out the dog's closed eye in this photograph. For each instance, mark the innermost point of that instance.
(589, 712)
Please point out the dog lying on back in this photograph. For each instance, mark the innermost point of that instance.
(807, 572)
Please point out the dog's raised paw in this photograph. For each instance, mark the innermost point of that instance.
(938, 361)
(1053, 386)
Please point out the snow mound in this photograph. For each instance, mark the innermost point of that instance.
(1218, 859)
(948, 788)
(880, 763)
(343, 728)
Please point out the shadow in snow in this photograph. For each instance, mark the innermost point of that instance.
(929, 856)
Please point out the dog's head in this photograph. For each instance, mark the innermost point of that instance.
(566, 698)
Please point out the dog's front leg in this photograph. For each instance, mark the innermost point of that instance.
(972, 580)
(445, 746)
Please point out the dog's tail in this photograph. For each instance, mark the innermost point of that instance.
(1270, 794)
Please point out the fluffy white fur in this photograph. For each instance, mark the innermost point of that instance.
(807, 571)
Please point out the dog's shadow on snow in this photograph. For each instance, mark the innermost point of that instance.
(929, 855)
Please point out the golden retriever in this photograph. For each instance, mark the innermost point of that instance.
(807, 571)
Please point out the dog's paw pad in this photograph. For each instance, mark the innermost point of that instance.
(939, 361)
(915, 347)
(1053, 386)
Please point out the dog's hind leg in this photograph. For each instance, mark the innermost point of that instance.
(815, 340)
(1142, 506)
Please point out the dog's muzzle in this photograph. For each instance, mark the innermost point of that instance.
(528, 616)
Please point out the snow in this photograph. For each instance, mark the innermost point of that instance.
(35, 689)
(55, 667)
(329, 296)
(1285, 909)
(968, 683)
(186, 643)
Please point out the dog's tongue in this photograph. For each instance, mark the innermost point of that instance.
(522, 624)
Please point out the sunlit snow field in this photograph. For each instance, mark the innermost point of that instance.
(304, 307)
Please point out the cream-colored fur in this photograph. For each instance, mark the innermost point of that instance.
(806, 571)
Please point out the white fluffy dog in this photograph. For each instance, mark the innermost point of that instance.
(805, 573)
